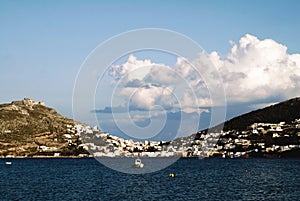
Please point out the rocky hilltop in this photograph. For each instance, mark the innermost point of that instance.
(29, 128)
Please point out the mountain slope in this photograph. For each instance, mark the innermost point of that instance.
(26, 126)
(286, 111)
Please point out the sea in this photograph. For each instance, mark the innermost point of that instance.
(193, 179)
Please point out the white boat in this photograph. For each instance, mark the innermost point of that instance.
(138, 163)
(8, 162)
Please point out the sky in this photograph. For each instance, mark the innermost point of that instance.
(254, 45)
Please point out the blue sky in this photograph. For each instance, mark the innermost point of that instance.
(44, 43)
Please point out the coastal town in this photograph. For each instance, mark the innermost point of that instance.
(259, 140)
(30, 129)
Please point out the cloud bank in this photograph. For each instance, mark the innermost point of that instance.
(252, 70)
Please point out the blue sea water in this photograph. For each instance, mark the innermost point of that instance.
(195, 179)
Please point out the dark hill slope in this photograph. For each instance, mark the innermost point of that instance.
(286, 111)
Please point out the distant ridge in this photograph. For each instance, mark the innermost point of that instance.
(286, 111)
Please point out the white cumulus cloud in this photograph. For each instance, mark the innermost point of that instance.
(252, 70)
(258, 69)
(145, 84)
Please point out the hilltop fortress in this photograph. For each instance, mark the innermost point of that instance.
(28, 102)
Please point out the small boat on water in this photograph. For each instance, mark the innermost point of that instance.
(138, 163)
(8, 163)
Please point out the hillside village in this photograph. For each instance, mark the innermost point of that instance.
(259, 140)
(30, 129)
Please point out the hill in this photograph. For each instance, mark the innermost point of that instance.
(286, 111)
(28, 128)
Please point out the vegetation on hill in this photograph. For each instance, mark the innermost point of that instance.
(286, 111)
(26, 126)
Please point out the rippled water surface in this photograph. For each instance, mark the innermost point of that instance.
(195, 179)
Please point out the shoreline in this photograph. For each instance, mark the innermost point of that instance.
(86, 157)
